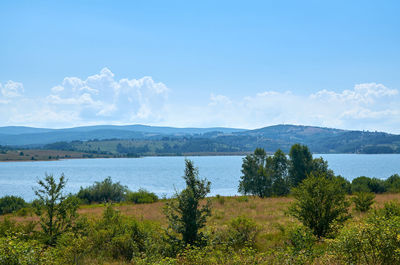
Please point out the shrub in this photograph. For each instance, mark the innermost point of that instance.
(105, 191)
(141, 196)
(241, 232)
(320, 203)
(14, 251)
(363, 201)
(365, 184)
(392, 183)
(372, 241)
(10, 204)
(123, 238)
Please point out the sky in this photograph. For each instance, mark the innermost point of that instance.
(244, 64)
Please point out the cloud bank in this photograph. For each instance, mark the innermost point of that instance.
(102, 99)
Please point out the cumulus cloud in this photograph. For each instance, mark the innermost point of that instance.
(97, 99)
(11, 89)
(368, 106)
(104, 99)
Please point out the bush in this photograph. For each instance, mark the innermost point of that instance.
(372, 241)
(392, 183)
(300, 245)
(105, 191)
(363, 201)
(123, 238)
(320, 204)
(242, 232)
(14, 251)
(365, 184)
(141, 196)
(10, 204)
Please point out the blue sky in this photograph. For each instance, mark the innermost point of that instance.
(200, 63)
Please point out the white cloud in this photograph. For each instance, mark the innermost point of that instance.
(11, 89)
(103, 99)
(98, 99)
(367, 106)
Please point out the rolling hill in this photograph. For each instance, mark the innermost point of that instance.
(137, 140)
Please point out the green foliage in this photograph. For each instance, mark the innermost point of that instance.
(278, 166)
(105, 191)
(300, 239)
(320, 204)
(57, 212)
(264, 176)
(14, 251)
(241, 232)
(374, 240)
(255, 180)
(363, 201)
(344, 183)
(184, 214)
(10, 204)
(301, 164)
(392, 183)
(365, 184)
(141, 196)
(123, 238)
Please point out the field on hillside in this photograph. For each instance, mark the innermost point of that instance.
(43, 155)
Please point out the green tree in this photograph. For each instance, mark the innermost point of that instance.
(10, 204)
(184, 214)
(320, 203)
(278, 165)
(301, 163)
(264, 175)
(104, 191)
(56, 211)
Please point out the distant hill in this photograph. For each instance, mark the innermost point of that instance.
(137, 140)
(28, 136)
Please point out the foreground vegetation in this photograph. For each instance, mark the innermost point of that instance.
(301, 213)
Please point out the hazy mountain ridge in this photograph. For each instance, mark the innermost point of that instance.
(154, 140)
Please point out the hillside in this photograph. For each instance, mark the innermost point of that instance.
(141, 140)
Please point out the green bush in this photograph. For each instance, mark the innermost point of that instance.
(141, 196)
(365, 184)
(14, 251)
(105, 191)
(120, 237)
(374, 240)
(242, 232)
(10, 204)
(363, 201)
(320, 204)
(393, 183)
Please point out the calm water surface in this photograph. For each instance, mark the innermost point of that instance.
(163, 175)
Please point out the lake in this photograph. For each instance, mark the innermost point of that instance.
(163, 175)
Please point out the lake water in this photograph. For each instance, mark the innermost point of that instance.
(163, 175)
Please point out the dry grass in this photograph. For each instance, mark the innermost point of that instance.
(268, 213)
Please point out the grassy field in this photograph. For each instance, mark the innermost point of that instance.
(268, 213)
(43, 155)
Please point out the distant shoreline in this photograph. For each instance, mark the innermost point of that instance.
(2, 159)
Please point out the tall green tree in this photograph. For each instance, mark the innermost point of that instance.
(56, 211)
(255, 179)
(320, 202)
(278, 166)
(184, 213)
(301, 163)
(264, 175)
